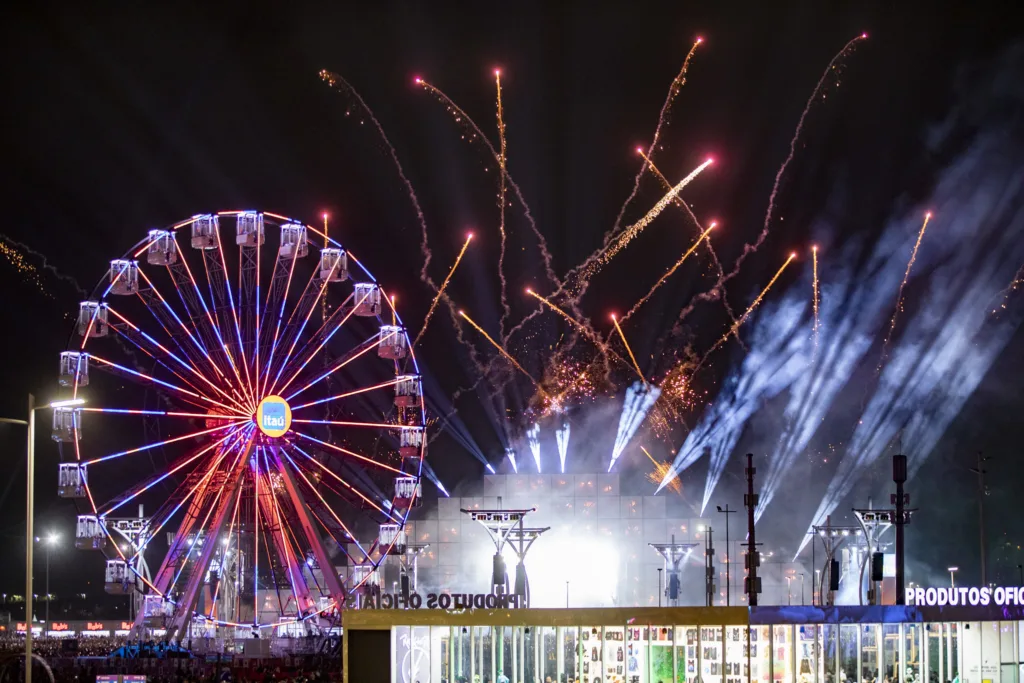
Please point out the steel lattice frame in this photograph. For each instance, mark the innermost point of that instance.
(255, 512)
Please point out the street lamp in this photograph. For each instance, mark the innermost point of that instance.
(789, 589)
(952, 571)
(728, 572)
(50, 541)
(30, 479)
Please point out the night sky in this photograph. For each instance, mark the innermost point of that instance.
(119, 121)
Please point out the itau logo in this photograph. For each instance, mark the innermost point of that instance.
(274, 417)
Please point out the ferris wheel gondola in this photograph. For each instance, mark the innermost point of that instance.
(262, 459)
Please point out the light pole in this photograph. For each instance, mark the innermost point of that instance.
(952, 581)
(30, 480)
(789, 590)
(50, 541)
(659, 586)
(802, 589)
(728, 571)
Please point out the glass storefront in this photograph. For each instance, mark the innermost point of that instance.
(622, 646)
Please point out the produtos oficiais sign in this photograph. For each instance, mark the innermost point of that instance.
(972, 596)
(439, 601)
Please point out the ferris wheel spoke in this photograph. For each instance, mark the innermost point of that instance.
(196, 399)
(282, 545)
(149, 339)
(367, 345)
(192, 298)
(128, 336)
(348, 533)
(330, 329)
(226, 554)
(104, 511)
(223, 300)
(198, 494)
(347, 394)
(163, 413)
(222, 346)
(168, 318)
(297, 335)
(165, 442)
(278, 300)
(343, 423)
(302, 512)
(351, 454)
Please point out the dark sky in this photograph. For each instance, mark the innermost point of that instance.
(116, 121)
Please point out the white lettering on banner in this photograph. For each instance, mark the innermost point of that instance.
(440, 601)
(967, 596)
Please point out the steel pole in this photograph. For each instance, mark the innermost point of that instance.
(30, 476)
(47, 584)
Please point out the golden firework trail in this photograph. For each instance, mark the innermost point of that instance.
(899, 295)
(661, 471)
(632, 231)
(669, 272)
(440, 291)
(585, 329)
(502, 185)
(502, 351)
(817, 296)
(636, 365)
(750, 310)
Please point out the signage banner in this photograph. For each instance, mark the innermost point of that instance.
(443, 601)
(964, 596)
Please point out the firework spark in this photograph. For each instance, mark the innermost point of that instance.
(899, 294)
(816, 294)
(636, 366)
(440, 291)
(23, 267)
(746, 314)
(501, 349)
(832, 72)
(661, 471)
(583, 327)
(670, 271)
(502, 184)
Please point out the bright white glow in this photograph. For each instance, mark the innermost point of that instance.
(640, 398)
(52, 538)
(71, 402)
(533, 438)
(589, 563)
(510, 453)
(562, 438)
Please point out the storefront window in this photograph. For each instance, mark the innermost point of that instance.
(826, 657)
(636, 654)
(760, 654)
(483, 653)
(808, 655)
(661, 654)
(461, 654)
(912, 656)
(687, 650)
(412, 654)
(848, 670)
(571, 653)
(614, 655)
(548, 649)
(590, 654)
(782, 654)
(712, 652)
(735, 646)
(935, 654)
(890, 653)
(440, 653)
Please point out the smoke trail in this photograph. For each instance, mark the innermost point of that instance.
(834, 69)
(502, 178)
(899, 294)
(772, 364)
(669, 272)
(677, 84)
(15, 252)
(463, 119)
(440, 291)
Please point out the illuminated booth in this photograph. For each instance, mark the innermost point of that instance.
(932, 643)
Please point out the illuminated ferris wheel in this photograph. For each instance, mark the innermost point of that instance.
(249, 386)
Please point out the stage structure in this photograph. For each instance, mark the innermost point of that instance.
(253, 352)
(674, 554)
(832, 538)
(500, 525)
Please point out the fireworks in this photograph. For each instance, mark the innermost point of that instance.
(899, 295)
(444, 285)
(662, 471)
(750, 310)
(814, 287)
(625, 343)
(670, 271)
(23, 267)
(502, 183)
(501, 349)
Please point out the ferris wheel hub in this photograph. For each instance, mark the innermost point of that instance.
(273, 416)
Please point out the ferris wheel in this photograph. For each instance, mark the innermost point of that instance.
(261, 404)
